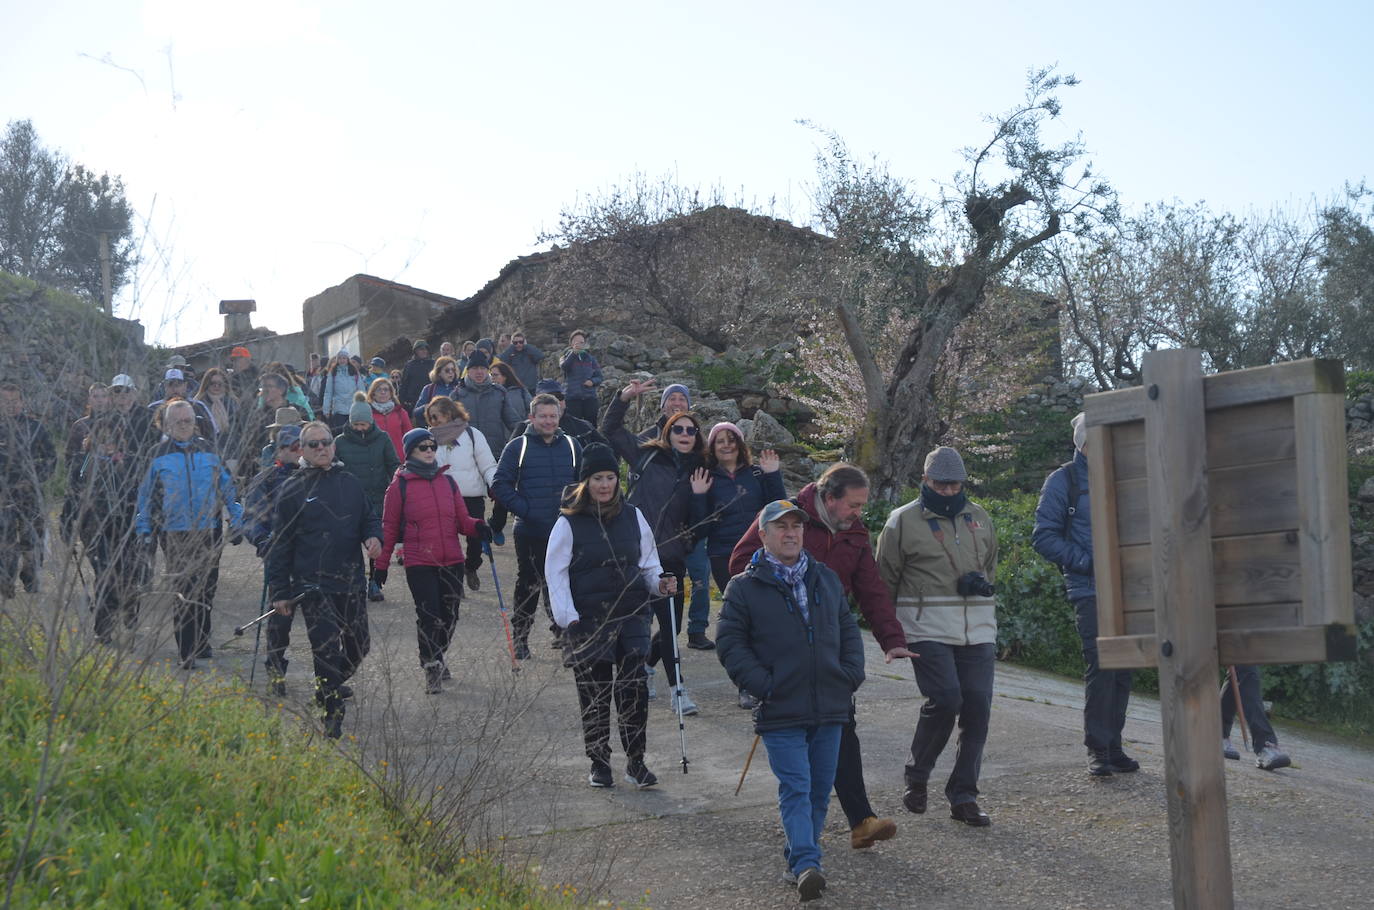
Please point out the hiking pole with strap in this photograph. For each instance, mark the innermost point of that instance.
(257, 638)
(1240, 708)
(501, 605)
(677, 669)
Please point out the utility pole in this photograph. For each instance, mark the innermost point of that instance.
(105, 294)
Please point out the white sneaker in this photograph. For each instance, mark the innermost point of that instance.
(649, 680)
(1271, 759)
(1228, 750)
(689, 707)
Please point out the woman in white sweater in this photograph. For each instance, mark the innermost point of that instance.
(464, 450)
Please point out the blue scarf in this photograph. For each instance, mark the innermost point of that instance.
(794, 576)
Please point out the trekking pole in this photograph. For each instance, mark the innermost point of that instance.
(257, 638)
(501, 605)
(677, 669)
(1240, 709)
(239, 630)
(747, 762)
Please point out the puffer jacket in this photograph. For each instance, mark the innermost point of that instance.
(531, 476)
(414, 375)
(260, 500)
(1067, 540)
(395, 424)
(184, 488)
(427, 514)
(430, 392)
(490, 410)
(804, 672)
(337, 393)
(849, 554)
(525, 363)
(577, 368)
(319, 524)
(723, 513)
(921, 556)
(102, 497)
(470, 462)
(660, 485)
(371, 458)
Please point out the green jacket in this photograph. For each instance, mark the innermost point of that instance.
(371, 458)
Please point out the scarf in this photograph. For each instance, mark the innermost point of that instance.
(446, 434)
(219, 412)
(794, 576)
(944, 506)
(824, 515)
(383, 407)
(422, 470)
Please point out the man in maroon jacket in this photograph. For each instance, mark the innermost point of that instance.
(835, 534)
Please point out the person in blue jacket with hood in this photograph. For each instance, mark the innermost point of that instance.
(183, 494)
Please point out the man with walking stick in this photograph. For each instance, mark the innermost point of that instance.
(259, 503)
(322, 527)
(787, 637)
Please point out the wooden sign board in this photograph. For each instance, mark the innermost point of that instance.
(1275, 494)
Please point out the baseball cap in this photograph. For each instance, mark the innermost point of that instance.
(287, 436)
(777, 509)
(123, 380)
(174, 375)
(241, 352)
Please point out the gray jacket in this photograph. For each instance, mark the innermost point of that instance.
(491, 410)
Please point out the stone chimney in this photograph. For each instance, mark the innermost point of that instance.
(238, 319)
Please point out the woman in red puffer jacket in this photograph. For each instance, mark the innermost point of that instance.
(424, 509)
(391, 418)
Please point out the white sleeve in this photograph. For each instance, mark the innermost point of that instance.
(486, 462)
(649, 566)
(556, 563)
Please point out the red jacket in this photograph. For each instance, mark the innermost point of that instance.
(396, 424)
(849, 553)
(434, 519)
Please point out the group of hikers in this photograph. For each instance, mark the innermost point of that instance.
(337, 474)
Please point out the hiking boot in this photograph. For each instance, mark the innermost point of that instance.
(810, 884)
(747, 701)
(1271, 759)
(188, 664)
(276, 685)
(446, 676)
(649, 681)
(871, 830)
(333, 724)
(7, 591)
(1099, 764)
(600, 776)
(345, 691)
(374, 592)
(698, 641)
(970, 814)
(915, 798)
(638, 776)
(689, 707)
(434, 674)
(1228, 750)
(522, 651)
(205, 653)
(1122, 763)
(473, 579)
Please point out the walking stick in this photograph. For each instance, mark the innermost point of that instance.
(501, 605)
(257, 638)
(677, 669)
(747, 762)
(1240, 709)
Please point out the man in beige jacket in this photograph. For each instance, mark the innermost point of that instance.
(938, 554)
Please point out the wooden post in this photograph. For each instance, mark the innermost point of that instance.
(1186, 628)
(105, 273)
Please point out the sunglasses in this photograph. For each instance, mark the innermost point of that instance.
(685, 429)
(427, 447)
(318, 443)
(120, 390)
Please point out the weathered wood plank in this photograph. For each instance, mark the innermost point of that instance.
(1253, 569)
(1236, 616)
(1248, 434)
(1227, 390)
(1323, 516)
(1236, 508)
(1106, 547)
(1283, 645)
(1128, 652)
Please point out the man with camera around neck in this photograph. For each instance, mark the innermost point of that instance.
(938, 554)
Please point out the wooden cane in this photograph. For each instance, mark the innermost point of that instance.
(746, 763)
(1240, 709)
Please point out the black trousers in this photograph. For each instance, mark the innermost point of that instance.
(22, 527)
(1252, 700)
(278, 640)
(1106, 692)
(339, 640)
(477, 508)
(957, 683)
(116, 573)
(583, 407)
(663, 645)
(600, 681)
(193, 570)
(438, 592)
(849, 776)
(530, 552)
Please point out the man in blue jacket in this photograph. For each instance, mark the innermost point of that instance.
(530, 477)
(786, 635)
(183, 492)
(1064, 535)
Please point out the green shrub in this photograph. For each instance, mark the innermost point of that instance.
(159, 794)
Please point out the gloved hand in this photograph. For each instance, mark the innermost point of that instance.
(483, 532)
(235, 538)
(263, 547)
(380, 577)
(149, 543)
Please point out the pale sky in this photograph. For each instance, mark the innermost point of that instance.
(275, 147)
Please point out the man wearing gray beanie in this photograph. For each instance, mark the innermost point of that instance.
(1064, 536)
(938, 555)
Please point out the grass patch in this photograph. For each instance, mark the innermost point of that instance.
(151, 792)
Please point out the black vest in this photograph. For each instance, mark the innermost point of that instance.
(604, 572)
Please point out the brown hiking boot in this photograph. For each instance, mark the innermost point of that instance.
(870, 831)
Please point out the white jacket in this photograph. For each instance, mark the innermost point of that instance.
(471, 465)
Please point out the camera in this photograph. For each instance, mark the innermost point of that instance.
(974, 584)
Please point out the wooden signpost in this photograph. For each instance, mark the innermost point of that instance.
(1221, 536)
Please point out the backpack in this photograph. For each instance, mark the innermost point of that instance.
(1075, 492)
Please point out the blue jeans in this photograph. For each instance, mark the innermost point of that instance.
(803, 760)
(699, 571)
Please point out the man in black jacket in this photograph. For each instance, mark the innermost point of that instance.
(786, 636)
(27, 460)
(321, 526)
(415, 375)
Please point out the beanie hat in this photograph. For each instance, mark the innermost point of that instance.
(420, 345)
(549, 387)
(486, 344)
(241, 352)
(479, 358)
(720, 428)
(361, 411)
(598, 457)
(1080, 430)
(675, 387)
(944, 465)
(413, 438)
(377, 362)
